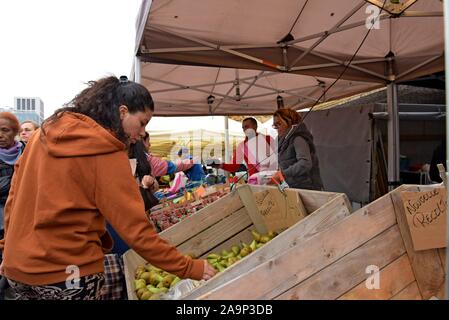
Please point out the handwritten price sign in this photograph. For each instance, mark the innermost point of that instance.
(426, 216)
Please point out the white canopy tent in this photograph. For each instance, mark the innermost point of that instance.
(305, 37)
(382, 42)
(180, 90)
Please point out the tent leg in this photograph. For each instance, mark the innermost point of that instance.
(393, 136)
(137, 69)
(227, 160)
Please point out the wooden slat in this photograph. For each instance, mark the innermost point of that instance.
(202, 219)
(131, 261)
(323, 218)
(349, 271)
(426, 264)
(393, 279)
(244, 236)
(247, 198)
(280, 273)
(218, 233)
(411, 292)
(313, 200)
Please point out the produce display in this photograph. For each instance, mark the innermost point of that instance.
(151, 282)
(228, 257)
(169, 213)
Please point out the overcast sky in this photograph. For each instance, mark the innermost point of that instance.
(50, 48)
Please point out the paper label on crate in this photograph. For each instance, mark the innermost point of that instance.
(279, 211)
(426, 214)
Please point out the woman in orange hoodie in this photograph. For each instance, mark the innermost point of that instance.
(74, 175)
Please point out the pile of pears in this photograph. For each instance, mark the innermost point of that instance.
(227, 258)
(151, 282)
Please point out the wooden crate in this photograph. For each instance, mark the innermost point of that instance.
(332, 263)
(229, 220)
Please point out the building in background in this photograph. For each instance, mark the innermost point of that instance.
(29, 108)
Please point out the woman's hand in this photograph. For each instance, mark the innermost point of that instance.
(209, 271)
(149, 182)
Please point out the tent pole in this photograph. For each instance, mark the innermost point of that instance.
(227, 160)
(393, 136)
(446, 45)
(137, 70)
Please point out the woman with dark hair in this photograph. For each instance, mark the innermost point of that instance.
(74, 175)
(297, 156)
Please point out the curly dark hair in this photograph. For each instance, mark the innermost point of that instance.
(101, 101)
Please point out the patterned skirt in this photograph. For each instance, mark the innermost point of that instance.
(88, 288)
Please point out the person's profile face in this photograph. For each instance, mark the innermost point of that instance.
(280, 125)
(134, 123)
(7, 134)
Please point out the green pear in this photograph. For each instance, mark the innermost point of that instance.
(146, 295)
(174, 282)
(259, 245)
(232, 260)
(155, 290)
(224, 263)
(168, 280)
(272, 234)
(256, 235)
(245, 251)
(253, 245)
(164, 290)
(220, 268)
(235, 249)
(224, 253)
(139, 271)
(140, 292)
(155, 278)
(146, 276)
(264, 239)
(244, 245)
(213, 256)
(229, 255)
(139, 284)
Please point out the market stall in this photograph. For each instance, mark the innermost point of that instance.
(232, 220)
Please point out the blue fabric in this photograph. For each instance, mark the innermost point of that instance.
(120, 246)
(196, 173)
(171, 169)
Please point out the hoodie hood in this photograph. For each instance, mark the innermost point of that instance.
(75, 135)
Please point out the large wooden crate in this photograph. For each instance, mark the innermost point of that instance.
(229, 220)
(332, 264)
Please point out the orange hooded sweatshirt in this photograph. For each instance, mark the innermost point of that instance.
(64, 186)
